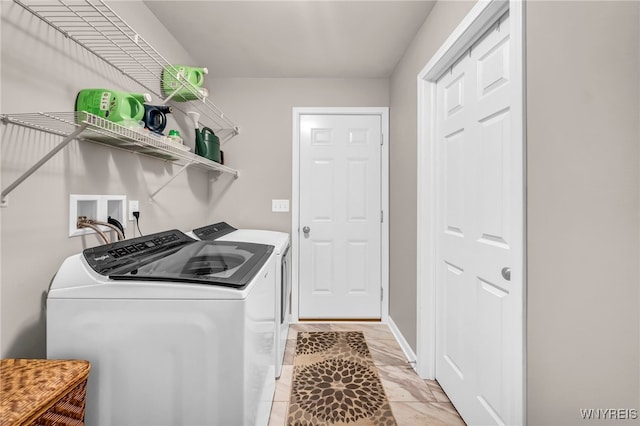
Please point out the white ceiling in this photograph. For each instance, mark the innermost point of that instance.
(294, 38)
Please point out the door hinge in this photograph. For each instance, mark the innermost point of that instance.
(381, 216)
(381, 294)
(381, 138)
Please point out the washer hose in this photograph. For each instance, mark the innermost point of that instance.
(83, 222)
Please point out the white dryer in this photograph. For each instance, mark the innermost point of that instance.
(178, 331)
(222, 231)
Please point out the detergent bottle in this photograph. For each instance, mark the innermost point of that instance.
(114, 105)
(183, 82)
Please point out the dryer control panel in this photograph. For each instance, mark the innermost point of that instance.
(213, 232)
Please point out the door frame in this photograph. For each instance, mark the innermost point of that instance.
(481, 17)
(383, 113)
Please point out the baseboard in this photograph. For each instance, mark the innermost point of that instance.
(404, 345)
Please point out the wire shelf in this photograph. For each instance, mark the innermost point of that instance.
(96, 27)
(99, 130)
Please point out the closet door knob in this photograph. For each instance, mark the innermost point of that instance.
(506, 273)
(306, 229)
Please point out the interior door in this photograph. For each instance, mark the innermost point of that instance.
(340, 217)
(478, 188)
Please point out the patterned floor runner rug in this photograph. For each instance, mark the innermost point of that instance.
(335, 382)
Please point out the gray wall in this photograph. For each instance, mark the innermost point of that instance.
(583, 215)
(262, 150)
(583, 183)
(42, 71)
(444, 18)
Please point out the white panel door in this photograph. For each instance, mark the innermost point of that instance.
(340, 208)
(479, 309)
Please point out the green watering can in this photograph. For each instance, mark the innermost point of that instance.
(208, 144)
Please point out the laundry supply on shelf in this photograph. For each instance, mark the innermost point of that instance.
(114, 105)
(184, 83)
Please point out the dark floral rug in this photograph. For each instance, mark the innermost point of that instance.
(335, 382)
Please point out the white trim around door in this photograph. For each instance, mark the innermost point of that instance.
(383, 112)
(480, 19)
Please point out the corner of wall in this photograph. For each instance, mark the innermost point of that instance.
(441, 21)
(404, 344)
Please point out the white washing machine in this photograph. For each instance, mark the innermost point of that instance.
(280, 240)
(178, 331)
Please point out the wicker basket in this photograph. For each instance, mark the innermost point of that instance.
(42, 392)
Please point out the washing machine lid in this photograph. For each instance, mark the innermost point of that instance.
(173, 256)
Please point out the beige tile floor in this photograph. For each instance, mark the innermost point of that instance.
(414, 401)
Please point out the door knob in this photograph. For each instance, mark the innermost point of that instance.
(506, 273)
(306, 229)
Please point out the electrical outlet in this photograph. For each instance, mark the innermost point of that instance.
(279, 205)
(134, 206)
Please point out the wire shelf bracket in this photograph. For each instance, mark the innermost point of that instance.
(4, 202)
(175, 175)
